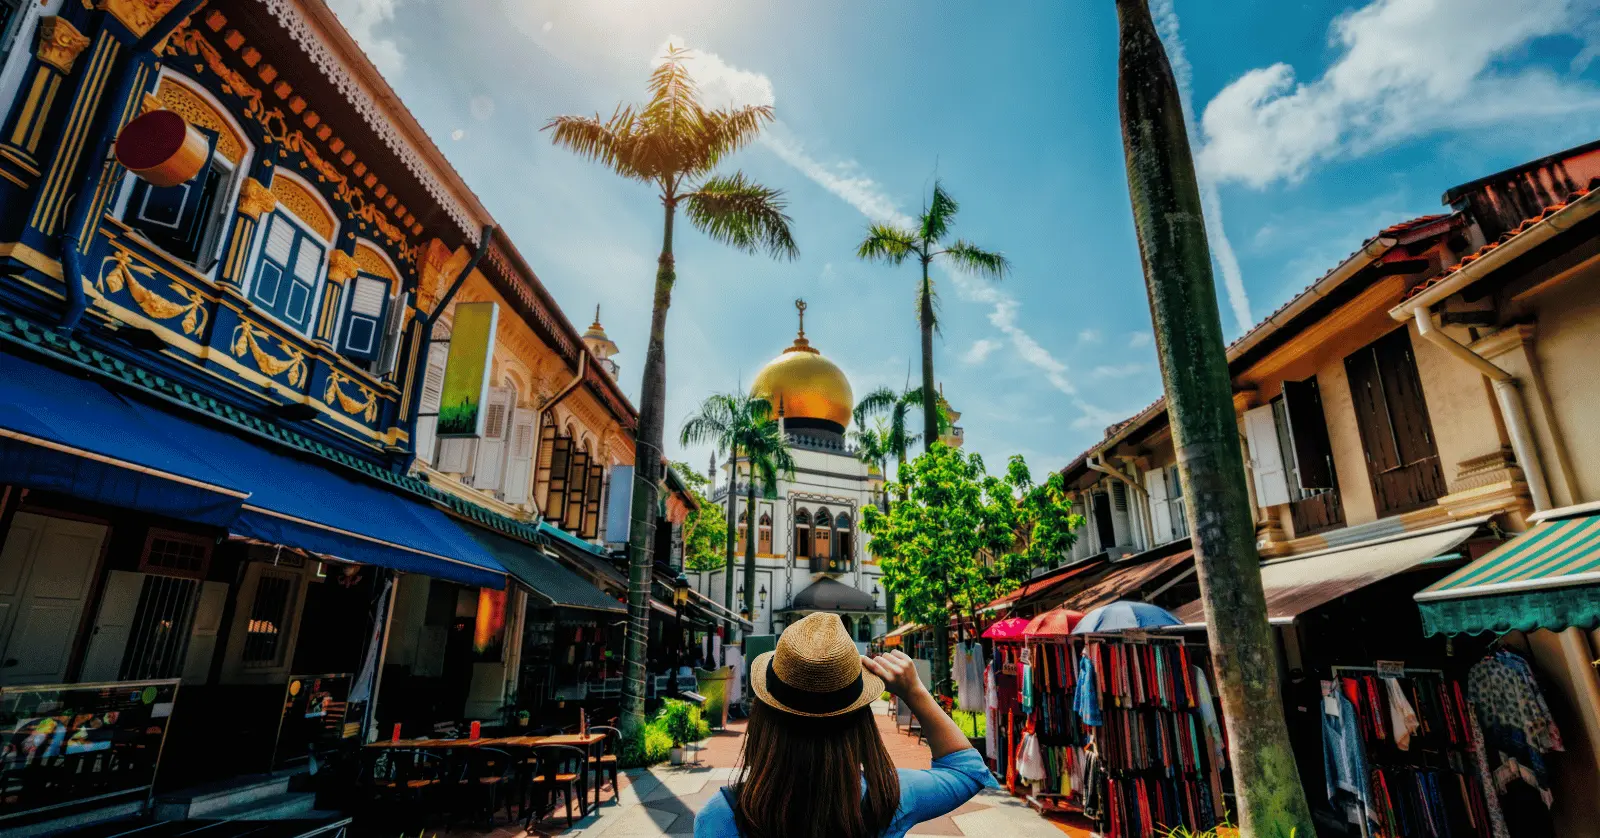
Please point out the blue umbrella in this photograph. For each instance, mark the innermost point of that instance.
(1123, 615)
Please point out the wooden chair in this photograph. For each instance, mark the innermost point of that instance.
(485, 781)
(400, 784)
(605, 765)
(563, 769)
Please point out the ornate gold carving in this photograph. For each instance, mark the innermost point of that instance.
(367, 408)
(276, 127)
(308, 209)
(372, 262)
(255, 199)
(138, 15)
(197, 111)
(60, 43)
(246, 338)
(341, 266)
(121, 271)
(148, 103)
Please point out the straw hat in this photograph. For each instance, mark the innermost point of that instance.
(815, 671)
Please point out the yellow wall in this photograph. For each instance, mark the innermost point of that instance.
(1573, 692)
(1565, 343)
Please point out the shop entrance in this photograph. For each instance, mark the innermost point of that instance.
(46, 571)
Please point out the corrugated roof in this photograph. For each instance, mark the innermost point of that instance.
(1122, 581)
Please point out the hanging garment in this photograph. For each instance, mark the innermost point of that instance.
(1401, 717)
(975, 668)
(1517, 727)
(1030, 762)
(1086, 702)
(991, 713)
(1208, 712)
(1027, 688)
(1344, 756)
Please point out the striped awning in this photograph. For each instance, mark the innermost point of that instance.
(1548, 577)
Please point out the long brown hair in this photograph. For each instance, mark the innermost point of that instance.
(802, 777)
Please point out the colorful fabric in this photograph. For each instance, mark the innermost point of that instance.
(1401, 717)
(1087, 701)
(1344, 754)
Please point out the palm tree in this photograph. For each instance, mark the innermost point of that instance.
(897, 436)
(673, 143)
(742, 426)
(894, 245)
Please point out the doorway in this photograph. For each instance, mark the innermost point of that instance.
(1103, 526)
(47, 569)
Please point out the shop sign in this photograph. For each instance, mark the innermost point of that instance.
(1391, 669)
(466, 370)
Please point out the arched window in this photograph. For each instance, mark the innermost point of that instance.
(802, 534)
(843, 539)
(364, 318)
(292, 258)
(744, 521)
(189, 221)
(764, 534)
(822, 535)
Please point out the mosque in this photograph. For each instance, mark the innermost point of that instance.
(810, 550)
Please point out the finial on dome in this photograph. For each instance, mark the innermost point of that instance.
(800, 305)
(597, 315)
(800, 342)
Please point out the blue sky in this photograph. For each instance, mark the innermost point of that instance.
(1315, 124)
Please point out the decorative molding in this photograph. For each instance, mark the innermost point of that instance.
(301, 31)
(341, 266)
(246, 338)
(138, 15)
(60, 43)
(255, 199)
(366, 406)
(304, 205)
(1503, 341)
(120, 271)
(370, 261)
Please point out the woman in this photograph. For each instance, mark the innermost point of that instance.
(814, 764)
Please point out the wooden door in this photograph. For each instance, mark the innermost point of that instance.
(1395, 429)
(47, 568)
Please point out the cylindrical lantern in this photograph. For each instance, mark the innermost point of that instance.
(161, 148)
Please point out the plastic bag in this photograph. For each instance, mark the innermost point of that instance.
(1030, 760)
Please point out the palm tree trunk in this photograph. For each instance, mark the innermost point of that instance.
(1183, 304)
(733, 533)
(930, 404)
(646, 474)
(750, 547)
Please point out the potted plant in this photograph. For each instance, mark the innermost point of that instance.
(682, 723)
(522, 718)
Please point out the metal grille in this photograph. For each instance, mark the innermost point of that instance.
(263, 638)
(159, 636)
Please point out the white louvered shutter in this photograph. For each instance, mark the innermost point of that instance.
(1266, 458)
(492, 447)
(1155, 482)
(428, 403)
(519, 465)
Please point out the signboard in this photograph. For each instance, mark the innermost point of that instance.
(317, 716)
(1391, 669)
(619, 506)
(64, 745)
(465, 392)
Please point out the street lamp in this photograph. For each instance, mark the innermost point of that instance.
(874, 596)
(762, 595)
(680, 598)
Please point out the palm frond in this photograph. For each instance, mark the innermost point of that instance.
(972, 259)
(737, 211)
(940, 213)
(714, 422)
(609, 142)
(875, 403)
(727, 130)
(886, 243)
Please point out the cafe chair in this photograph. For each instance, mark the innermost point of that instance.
(403, 783)
(605, 764)
(562, 769)
(485, 782)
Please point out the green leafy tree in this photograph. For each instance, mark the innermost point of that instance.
(928, 241)
(705, 528)
(743, 426)
(673, 143)
(961, 537)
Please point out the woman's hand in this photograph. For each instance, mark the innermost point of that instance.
(898, 674)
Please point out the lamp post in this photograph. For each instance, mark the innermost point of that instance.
(680, 598)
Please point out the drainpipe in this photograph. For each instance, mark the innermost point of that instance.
(83, 199)
(1512, 409)
(426, 338)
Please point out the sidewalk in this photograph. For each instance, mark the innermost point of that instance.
(662, 800)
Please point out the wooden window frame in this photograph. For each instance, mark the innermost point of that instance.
(205, 543)
(1390, 471)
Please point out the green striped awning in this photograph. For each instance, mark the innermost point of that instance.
(1548, 577)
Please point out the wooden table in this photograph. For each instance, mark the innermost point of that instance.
(588, 742)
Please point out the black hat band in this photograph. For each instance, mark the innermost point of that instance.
(807, 701)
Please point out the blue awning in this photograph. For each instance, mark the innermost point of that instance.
(544, 575)
(62, 433)
(298, 503)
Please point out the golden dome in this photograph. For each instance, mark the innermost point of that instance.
(805, 384)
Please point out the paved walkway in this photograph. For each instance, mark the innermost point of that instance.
(662, 800)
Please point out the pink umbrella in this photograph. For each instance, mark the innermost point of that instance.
(1007, 630)
(1057, 622)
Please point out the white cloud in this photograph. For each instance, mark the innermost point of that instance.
(1166, 20)
(458, 134)
(1405, 68)
(1090, 336)
(980, 351)
(1138, 339)
(548, 25)
(481, 107)
(1118, 370)
(844, 179)
(362, 18)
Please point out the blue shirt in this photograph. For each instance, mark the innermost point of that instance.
(924, 795)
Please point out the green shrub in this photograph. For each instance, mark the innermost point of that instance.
(681, 721)
(653, 746)
(972, 724)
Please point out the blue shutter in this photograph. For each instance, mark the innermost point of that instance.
(287, 271)
(365, 312)
(174, 217)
